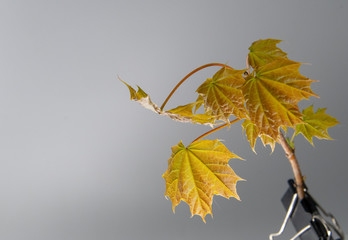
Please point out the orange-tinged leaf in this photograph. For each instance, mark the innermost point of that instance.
(198, 172)
(222, 94)
(315, 124)
(272, 93)
(180, 113)
(264, 51)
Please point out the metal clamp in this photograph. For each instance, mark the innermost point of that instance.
(310, 220)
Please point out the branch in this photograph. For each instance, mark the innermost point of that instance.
(290, 154)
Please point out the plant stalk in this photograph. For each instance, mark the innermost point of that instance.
(189, 75)
(290, 154)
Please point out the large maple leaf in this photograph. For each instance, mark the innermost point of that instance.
(315, 124)
(272, 92)
(198, 172)
(222, 94)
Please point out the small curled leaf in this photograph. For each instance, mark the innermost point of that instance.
(181, 113)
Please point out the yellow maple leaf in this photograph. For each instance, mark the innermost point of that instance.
(198, 172)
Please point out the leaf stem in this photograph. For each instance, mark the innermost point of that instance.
(290, 154)
(189, 75)
(216, 129)
(247, 64)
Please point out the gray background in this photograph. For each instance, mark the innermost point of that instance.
(78, 160)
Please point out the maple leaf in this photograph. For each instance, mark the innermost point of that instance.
(315, 124)
(222, 94)
(264, 51)
(272, 92)
(198, 172)
(180, 113)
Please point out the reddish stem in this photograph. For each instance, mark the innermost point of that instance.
(189, 75)
(216, 129)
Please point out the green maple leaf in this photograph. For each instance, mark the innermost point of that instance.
(315, 124)
(198, 172)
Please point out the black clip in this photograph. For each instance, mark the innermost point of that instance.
(308, 217)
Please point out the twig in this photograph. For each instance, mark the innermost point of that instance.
(215, 129)
(190, 74)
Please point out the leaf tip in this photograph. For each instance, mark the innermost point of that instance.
(253, 148)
